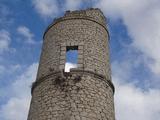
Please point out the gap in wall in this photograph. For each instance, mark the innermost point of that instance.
(71, 58)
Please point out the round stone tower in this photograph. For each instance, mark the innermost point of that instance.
(86, 92)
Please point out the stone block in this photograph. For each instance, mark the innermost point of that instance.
(80, 47)
(63, 48)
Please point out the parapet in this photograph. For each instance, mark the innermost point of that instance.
(92, 14)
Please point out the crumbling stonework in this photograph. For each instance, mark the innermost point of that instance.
(86, 92)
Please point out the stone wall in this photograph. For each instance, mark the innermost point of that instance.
(85, 93)
(77, 95)
(88, 33)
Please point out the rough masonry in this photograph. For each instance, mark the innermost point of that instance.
(86, 92)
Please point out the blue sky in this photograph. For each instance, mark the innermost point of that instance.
(134, 46)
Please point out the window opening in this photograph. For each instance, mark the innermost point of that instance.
(71, 58)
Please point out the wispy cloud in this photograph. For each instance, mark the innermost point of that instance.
(18, 95)
(5, 40)
(134, 103)
(27, 34)
(51, 8)
(10, 69)
(46, 8)
(73, 4)
(133, 97)
(143, 25)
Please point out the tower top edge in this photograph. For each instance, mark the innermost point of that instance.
(92, 14)
(84, 12)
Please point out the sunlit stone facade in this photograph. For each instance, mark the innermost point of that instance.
(86, 92)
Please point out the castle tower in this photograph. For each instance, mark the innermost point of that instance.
(86, 92)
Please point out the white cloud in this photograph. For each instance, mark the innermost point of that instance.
(68, 66)
(72, 4)
(9, 69)
(51, 8)
(26, 33)
(4, 40)
(46, 8)
(132, 103)
(13, 68)
(18, 92)
(118, 69)
(15, 109)
(131, 100)
(155, 66)
(142, 20)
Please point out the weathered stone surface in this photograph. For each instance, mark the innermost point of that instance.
(85, 93)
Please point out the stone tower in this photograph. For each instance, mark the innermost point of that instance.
(86, 92)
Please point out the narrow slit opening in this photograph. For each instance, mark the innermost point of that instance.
(71, 58)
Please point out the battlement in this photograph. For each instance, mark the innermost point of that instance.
(92, 14)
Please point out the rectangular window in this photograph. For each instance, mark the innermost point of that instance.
(71, 57)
